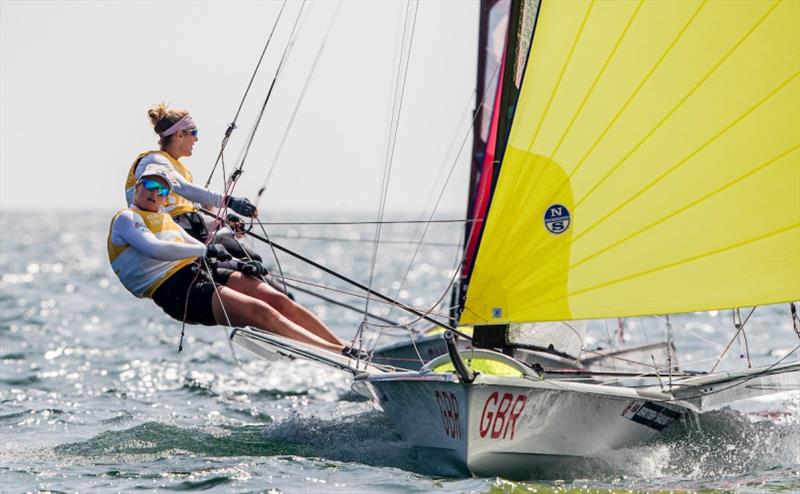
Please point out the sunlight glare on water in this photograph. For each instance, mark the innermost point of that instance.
(94, 395)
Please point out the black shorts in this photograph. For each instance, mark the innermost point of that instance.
(200, 288)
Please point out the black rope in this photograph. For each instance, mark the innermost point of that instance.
(331, 272)
(353, 223)
(338, 303)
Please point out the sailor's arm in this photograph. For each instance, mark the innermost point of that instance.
(183, 188)
(129, 228)
(196, 193)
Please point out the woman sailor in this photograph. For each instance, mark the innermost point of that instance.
(177, 134)
(155, 258)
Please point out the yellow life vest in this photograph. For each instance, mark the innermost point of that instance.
(176, 205)
(140, 274)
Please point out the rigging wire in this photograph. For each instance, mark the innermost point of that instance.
(300, 100)
(755, 375)
(323, 238)
(246, 150)
(340, 276)
(444, 187)
(392, 140)
(739, 328)
(232, 125)
(350, 223)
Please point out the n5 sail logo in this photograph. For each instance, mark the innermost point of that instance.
(557, 219)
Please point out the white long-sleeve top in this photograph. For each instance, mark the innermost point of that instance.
(146, 248)
(129, 228)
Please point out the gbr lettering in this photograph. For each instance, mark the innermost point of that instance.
(448, 405)
(500, 414)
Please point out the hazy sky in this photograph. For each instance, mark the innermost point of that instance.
(77, 78)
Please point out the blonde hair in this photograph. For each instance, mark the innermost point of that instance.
(163, 118)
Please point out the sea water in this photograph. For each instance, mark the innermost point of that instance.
(94, 396)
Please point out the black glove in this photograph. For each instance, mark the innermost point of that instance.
(236, 224)
(253, 268)
(216, 251)
(242, 206)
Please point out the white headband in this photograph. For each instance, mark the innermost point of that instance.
(185, 123)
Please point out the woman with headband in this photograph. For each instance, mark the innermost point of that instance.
(177, 134)
(155, 258)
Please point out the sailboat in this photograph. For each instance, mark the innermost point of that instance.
(645, 160)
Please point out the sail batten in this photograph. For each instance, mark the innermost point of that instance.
(689, 156)
(652, 165)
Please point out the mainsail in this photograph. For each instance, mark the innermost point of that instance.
(652, 165)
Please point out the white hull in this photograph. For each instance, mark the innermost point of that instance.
(516, 428)
(512, 423)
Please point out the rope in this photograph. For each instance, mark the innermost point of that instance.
(349, 223)
(338, 275)
(391, 142)
(238, 171)
(298, 103)
(362, 240)
(232, 125)
(442, 190)
(739, 328)
(747, 379)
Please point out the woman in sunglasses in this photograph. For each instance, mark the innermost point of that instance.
(155, 258)
(177, 134)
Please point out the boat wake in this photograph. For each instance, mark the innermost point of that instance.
(720, 450)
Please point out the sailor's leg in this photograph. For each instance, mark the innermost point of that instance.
(243, 310)
(283, 304)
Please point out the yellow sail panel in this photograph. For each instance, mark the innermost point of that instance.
(653, 165)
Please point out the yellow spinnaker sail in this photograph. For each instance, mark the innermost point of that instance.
(653, 164)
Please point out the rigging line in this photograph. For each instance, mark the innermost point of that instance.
(439, 301)
(260, 115)
(340, 304)
(351, 223)
(691, 332)
(344, 292)
(331, 272)
(297, 104)
(391, 145)
(224, 312)
(232, 125)
(275, 256)
(362, 240)
(294, 278)
(444, 187)
(735, 384)
(610, 342)
(601, 356)
(739, 328)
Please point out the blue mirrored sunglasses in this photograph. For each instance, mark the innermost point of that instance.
(192, 132)
(163, 190)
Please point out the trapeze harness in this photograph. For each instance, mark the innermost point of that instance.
(136, 266)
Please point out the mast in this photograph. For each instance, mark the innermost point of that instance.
(495, 103)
